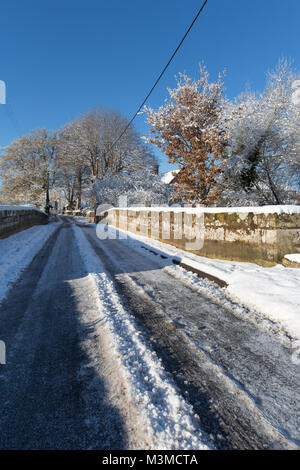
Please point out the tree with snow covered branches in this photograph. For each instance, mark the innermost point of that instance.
(187, 129)
(264, 145)
(27, 168)
(92, 139)
(142, 187)
(88, 150)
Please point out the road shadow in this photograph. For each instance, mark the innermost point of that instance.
(52, 395)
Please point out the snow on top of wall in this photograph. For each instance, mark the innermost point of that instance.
(276, 209)
(168, 177)
(20, 208)
(293, 257)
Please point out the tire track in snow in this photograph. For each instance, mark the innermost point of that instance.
(166, 415)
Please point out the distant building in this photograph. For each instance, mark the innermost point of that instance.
(169, 177)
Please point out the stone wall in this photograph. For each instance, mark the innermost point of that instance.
(263, 238)
(13, 220)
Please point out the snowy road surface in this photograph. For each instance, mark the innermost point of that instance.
(111, 347)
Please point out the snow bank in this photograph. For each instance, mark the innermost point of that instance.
(274, 292)
(17, 251)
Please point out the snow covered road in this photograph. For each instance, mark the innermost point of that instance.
(110, 347)
(63, 385)
(51, 394)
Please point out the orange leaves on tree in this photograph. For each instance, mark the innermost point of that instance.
(187, 129)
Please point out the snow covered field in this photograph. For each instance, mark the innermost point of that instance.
(273, 293)
(17, 251)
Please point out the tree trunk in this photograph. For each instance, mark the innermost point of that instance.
(79, 187)
(47, 208)
(270, 181)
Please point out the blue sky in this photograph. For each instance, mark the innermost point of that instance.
(62, 58)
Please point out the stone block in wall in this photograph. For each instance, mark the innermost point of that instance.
(14, 220)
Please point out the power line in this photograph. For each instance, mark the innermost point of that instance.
(162, 73)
